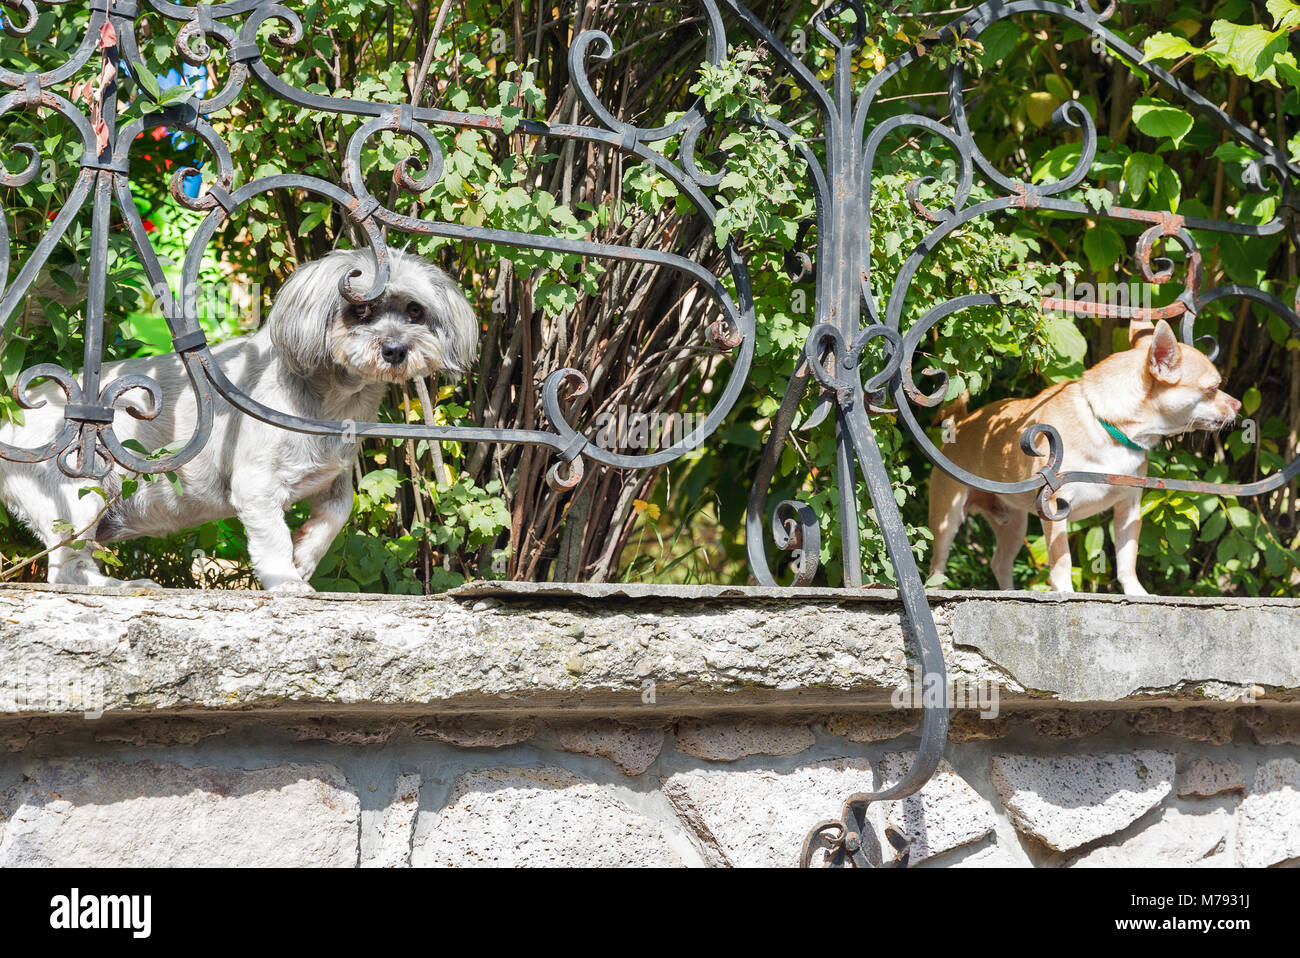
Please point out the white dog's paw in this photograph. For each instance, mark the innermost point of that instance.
(108, 582)
(291, 587)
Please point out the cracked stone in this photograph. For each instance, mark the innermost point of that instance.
(161, 732)
(345, 732)
(469, 732)
(392, 843)
(1178, 839)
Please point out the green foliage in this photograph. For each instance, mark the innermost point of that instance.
(1150, 157)
(427, 518)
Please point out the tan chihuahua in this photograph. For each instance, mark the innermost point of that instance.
(1108, 419)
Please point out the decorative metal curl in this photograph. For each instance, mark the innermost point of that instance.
(1050, 506)
(797, 530)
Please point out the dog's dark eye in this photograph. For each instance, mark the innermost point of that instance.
(415, 312)
(361, 313)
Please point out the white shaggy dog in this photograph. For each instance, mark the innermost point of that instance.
(318, 356)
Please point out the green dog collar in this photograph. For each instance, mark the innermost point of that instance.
(1118, 435)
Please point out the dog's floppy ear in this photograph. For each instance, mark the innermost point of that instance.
(300, 319)
(456, 317)
(1164, 358)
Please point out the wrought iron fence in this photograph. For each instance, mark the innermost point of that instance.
(851, 313)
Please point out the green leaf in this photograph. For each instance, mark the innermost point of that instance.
(146, 80)
(1233, 153)
(11, 361)
(1068, 347)
(1155, 117)
(999, 40)
(1166, 46)
(1285, 13)
(1247, 49)
(1103, 247)
(555, 298)
(1250, 400)
(1139, 169)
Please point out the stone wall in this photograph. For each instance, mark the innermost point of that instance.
(629, 726)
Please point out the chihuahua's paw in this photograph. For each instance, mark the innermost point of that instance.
(1134, 588)
(291, 587)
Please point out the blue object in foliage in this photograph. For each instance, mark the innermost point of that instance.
(197, 77)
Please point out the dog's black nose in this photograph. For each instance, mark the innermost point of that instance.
(394, 353)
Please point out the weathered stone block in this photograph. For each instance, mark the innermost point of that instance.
(946, 814)
(392, 841)
(1273, 727)
(1178, 839)
(1068, 801)
(539, 816)
(84, 813)
(1197, 725)
(1068, 723)
(632, 749)
(872, 726)
(471, 732)
(968, 726)
(1205, 777)
(759, 818)
(726, 741)
(1268, 826)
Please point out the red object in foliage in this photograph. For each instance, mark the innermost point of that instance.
(158, 132)
(149, 226)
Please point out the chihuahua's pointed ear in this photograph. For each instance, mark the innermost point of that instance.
(1164, 359)
(1137, 328)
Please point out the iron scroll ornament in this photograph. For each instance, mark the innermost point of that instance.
(87, 446)
(848, 314)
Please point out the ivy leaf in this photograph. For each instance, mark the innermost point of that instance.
(1155, 117)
